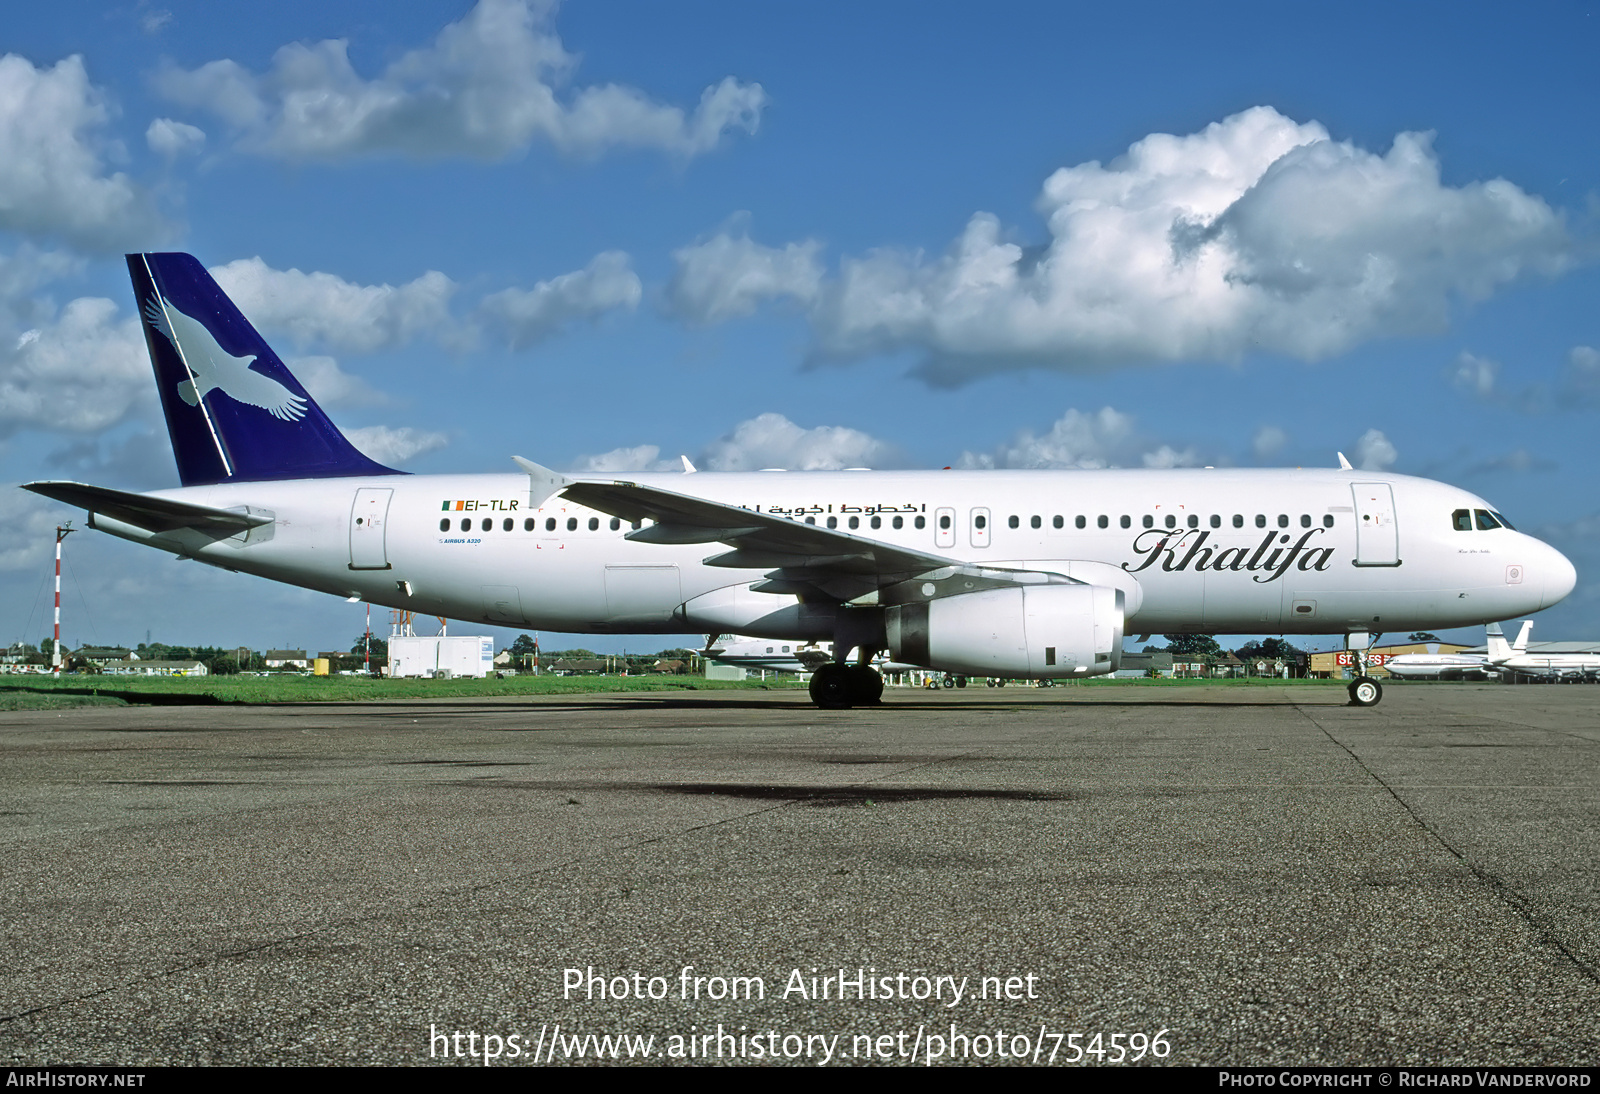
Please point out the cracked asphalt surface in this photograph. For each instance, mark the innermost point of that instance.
(1269, 875)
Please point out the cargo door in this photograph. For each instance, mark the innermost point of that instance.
(369, 518)
(1377, 535)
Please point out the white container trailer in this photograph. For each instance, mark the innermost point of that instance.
(467, 655)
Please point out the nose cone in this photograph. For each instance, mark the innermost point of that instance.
(1560, 576)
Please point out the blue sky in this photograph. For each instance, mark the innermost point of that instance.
(901, 235)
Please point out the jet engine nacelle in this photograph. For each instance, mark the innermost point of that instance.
(1038, 631)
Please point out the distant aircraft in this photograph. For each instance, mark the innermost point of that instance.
(772, 654)
(1518, 661)
(1005, 574)
(1454, 666)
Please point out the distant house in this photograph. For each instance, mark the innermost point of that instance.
(132, 667)
(582, 666)
(286, 659)
(672, 667)
(100, 655)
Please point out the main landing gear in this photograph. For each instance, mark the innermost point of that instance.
(838, 686)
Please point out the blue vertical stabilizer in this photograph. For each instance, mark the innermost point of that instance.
(234, 412)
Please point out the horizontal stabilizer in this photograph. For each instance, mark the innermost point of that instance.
(151, 514)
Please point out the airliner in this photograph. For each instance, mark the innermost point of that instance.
(1458, 666)
(1007, 574)
(1518, 660)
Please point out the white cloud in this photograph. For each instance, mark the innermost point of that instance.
(1269, 441)
(528, 316)
(486, 88)
(771, 440)
(325, 309)
(331, 386)
(1105, 438)
(1473, 375)
(52, 181)
(642, 457)
(169, 138)
(80, 372)
(27, 535)
(1374, 452)
(1255, 234)
(1580, 380)
(731, 275)
(395, 445)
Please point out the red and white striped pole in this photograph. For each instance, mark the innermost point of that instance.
(62, 532)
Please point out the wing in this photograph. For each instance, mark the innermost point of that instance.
(803, 557)
(157, 316)
(249, 386)
(151, 514)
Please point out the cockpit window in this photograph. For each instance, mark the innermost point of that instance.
(1503, 521)
(1486, 520)
(1461, 520)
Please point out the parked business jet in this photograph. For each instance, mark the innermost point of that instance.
(1518, 660)
(1019, 574)
(771, 654)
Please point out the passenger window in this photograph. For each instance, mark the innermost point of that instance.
(900, 522)
(634, 526)
(572, 524)
(616, 524)
(1283, 520)
(1079, 522)
(507, 524)
(1035, 522)
(487, 524)
(466, 524)
(1261, 520)
(811, 520)
(1327, 520)
(594, 524)
(1012, 522)
(444, 525)
(1486, 520)
(1172, 521)
(855, 522)
(550, 524)
(1194, 521)
(1305, 520)
(1238, 520)
(979, 522)
(1149, 521)
(920, 522)
(833, 522)
(944, 524)
(1127, 521)
(877, 522)
(1102, 522)
(1461, 520)
(1216, 520)
(527, 525)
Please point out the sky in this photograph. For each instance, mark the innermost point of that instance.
(602, 235)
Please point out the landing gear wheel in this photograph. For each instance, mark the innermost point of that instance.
(1365, 692)
(961, 681)
(866, 686)
(949, 681)
(832, 686)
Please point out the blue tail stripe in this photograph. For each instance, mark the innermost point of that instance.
(234, 412)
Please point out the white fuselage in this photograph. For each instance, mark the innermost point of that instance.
(1207, 551)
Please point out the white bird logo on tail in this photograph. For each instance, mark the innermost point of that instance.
(214, 367)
